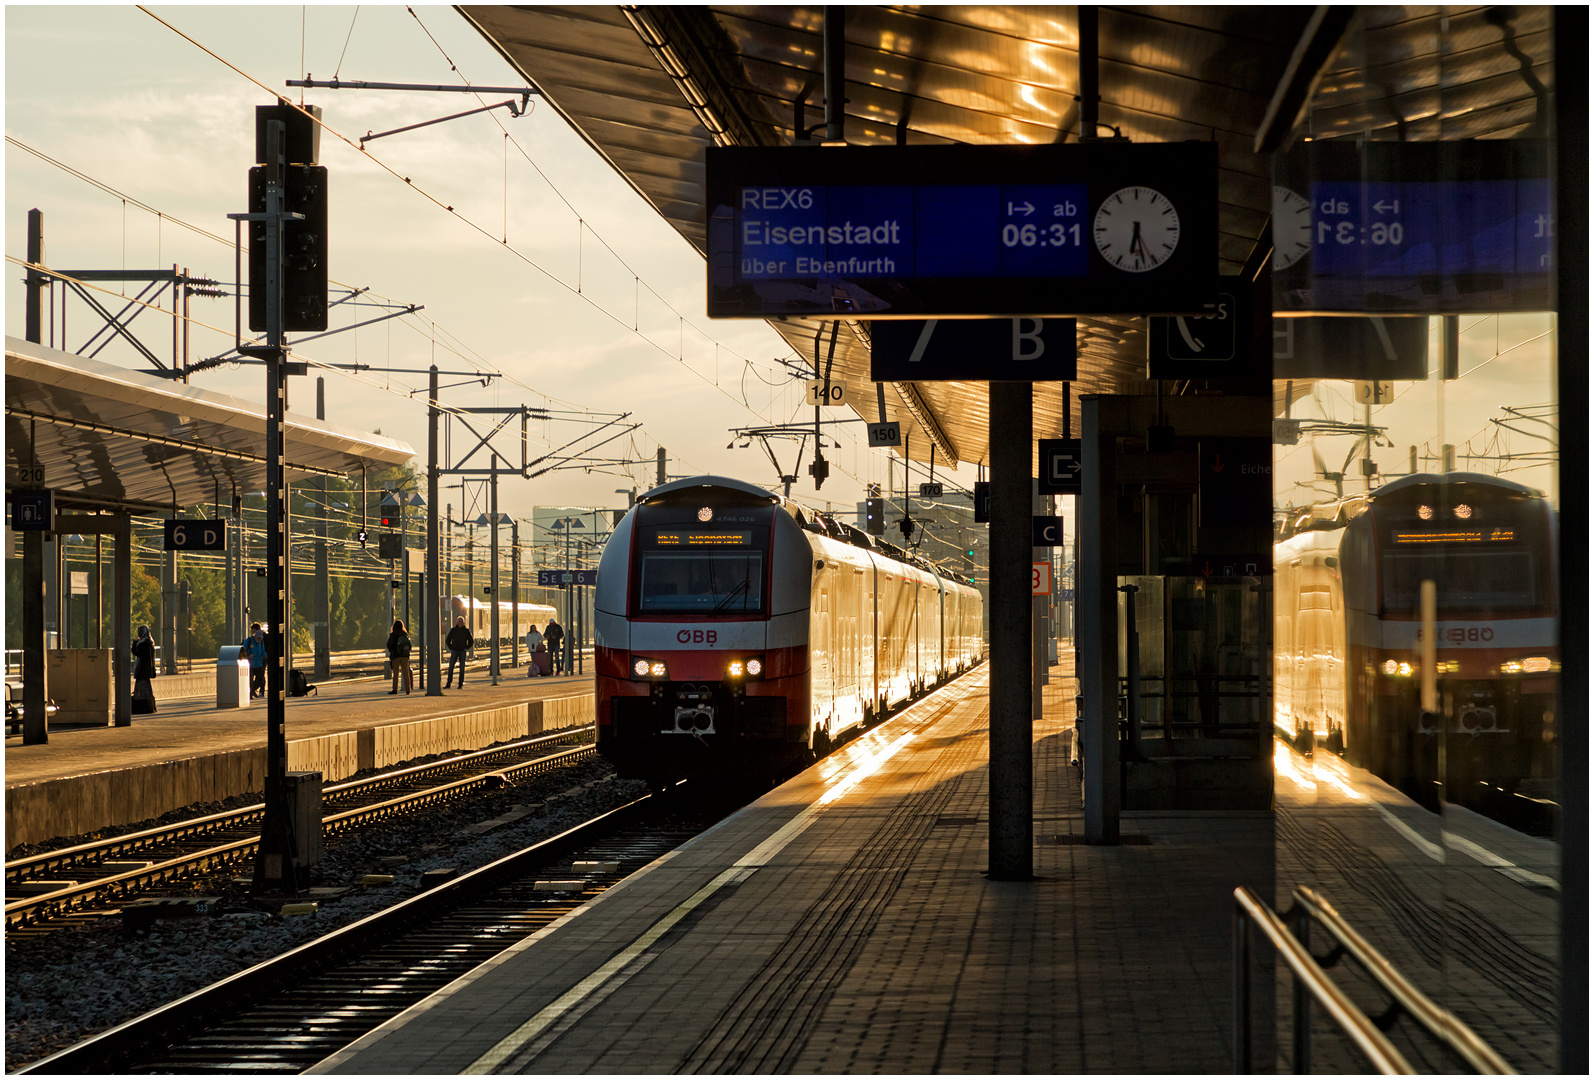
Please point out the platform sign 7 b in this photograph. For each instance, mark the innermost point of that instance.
(198, 534)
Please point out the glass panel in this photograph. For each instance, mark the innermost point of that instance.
(701, 583)
(1416, 661)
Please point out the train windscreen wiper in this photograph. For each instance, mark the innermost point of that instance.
(732, 595)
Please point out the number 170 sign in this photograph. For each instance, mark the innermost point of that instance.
(1040, 579)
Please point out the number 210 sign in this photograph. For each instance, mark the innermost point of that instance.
(1040, 579)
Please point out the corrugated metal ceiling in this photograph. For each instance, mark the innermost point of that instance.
(650, 87)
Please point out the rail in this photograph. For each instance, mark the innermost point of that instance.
(1311, 981)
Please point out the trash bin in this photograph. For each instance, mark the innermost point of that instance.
(232, 678)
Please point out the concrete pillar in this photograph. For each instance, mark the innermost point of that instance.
(35, 672)
(1096, 594)
(321, 617)
(1011, 781)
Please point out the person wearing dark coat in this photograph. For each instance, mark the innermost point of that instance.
(398, 654)
(459, 642)
(143, 672)
(552, 635)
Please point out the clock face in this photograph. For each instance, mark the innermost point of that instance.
(1137, 229)
(1292, 227)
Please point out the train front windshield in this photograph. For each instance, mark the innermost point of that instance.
(695, 569)
(1466, 580)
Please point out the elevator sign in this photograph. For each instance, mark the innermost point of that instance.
(1104, 228)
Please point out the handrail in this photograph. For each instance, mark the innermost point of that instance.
(1444, 1024)
(1373, 1044)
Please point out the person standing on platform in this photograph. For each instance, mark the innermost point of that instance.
(553, 635)
(254, 650)
(143, 672)
(398, 654)
(533, 643)
(459, 642)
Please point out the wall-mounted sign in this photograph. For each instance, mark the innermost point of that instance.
(1102, 228)
(32, 510)
(1431, 227)
(1062, 466)
(985, 350)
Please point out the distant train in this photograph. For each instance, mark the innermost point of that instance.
(479, 617)
(1347, 629)
(739, 635)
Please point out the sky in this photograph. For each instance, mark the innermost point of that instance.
(549, 268)
(530, 255)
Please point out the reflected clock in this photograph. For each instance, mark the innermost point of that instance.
(1292, 227)
(1136, 229)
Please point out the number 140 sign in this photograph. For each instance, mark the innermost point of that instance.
(1040, 579)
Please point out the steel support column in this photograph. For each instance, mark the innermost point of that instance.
(321, 619)
(1095, 593)
(431, 617)
(122, 620)
(1011, 782)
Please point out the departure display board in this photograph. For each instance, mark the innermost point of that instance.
(1101, 228)
(1429, 228)
(702, 539)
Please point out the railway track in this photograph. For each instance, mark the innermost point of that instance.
(286, 1014)
(69, 882)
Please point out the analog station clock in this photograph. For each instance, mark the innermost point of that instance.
(1136, 229)
(1292, 227)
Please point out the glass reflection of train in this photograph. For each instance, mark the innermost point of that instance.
(1347, 588)
(739, 635)
(479, 617)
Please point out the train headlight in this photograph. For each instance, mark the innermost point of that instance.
(1463, 511)
(1390, 667)
(1532, 665)
(751, 667)
(644, 668)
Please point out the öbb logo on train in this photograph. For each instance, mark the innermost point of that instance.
(697, 637)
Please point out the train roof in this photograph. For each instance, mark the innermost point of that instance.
(1422, 479)
(675, 486)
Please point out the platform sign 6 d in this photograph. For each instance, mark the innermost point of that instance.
(200, 534)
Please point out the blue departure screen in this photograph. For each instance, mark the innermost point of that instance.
(900, 231)
(908, 231)
(1393, 230)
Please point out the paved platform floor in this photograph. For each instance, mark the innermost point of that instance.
(842, 923)
(194, 725)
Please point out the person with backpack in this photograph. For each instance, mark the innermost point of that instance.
(553, 634)
(398, 654)
(459, 641)
(254, 650)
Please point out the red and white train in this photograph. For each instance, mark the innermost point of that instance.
(1347, 632)
(739, 635)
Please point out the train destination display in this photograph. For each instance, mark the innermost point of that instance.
(1413, 227)
(961, 230)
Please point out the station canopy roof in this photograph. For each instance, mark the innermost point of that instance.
(650, 87)
(111, 438)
